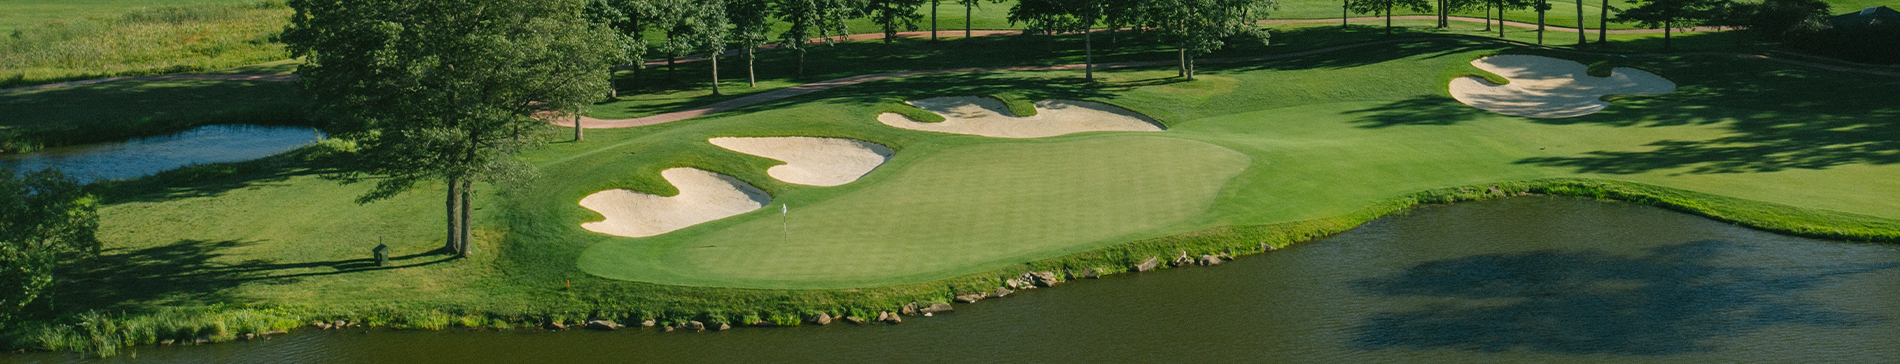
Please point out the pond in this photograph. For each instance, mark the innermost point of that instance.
(146, 156)
(1533, 279)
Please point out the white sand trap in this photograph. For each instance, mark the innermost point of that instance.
(1549, 88)
(810, 160)
(704, 196)
(990, 117)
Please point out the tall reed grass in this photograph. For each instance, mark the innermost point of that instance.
(103, 334)
(147, 41)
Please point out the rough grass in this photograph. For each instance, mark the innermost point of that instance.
(147, 41)
(1334, 139)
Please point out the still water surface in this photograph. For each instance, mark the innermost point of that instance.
(1520, 280)
(147, 156)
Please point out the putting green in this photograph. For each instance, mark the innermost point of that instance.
(946, 214)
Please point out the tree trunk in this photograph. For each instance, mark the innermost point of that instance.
(577, 124)
(1666, 29)
(1190, 67)
(1442, 13)
(1540, 21)
(1182, 71)
(1500, 6)
(453, 204)
(715, 71)
(933, 20)
(1088, 55)
(752, 75)
(467, 241)
(1388, 17)
(801, 61)
(1582, 33)
(1344, 5)
(966, 20)
(1487, 18)
(1603, 24)
(669, 66)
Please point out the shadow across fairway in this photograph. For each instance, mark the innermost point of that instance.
(190, 272)
(1776, 117)
(1676, 299)
(1419, 110)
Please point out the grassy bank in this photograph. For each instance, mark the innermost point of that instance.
(1331, 139)
(147, 41)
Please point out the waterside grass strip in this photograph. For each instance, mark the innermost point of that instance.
(103, 334)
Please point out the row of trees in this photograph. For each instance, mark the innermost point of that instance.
(712, 27)
(1773, 17)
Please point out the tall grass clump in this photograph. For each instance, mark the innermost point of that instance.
(147, 41)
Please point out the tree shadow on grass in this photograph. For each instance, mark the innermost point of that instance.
(1777, 117)
(1419, 110)
(191, 272)
(1676, 299)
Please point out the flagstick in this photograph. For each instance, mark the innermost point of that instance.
(786, 223)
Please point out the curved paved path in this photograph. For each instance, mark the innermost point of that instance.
(754, 99)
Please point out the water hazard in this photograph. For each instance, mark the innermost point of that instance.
(147, 156)
(1510, 281)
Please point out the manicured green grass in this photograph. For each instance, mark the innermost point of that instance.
(1332, 134)
(988, 205)
(1330, 140)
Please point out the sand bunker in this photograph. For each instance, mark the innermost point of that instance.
(1544, 87)
(704, 196)
(812, 161)
(989, 117)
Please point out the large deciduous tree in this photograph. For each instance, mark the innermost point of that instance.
(1777, 19)
(969, 11)
(892, 16)
(1387, 6)
(1060, 16)
(1670, 14)
(45, 218)
(700, 26)
(751, 22)
(627, 18)
(442, 89)
(811, 19)
(1196, 27)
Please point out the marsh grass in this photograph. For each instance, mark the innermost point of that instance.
(148, 41)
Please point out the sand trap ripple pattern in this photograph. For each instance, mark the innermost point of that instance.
(703, 196)
(990, 117)
(1549, 88)
(810, 160)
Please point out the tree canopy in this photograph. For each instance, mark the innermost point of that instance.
(442, 89)
(1671, 14)
(48, 218)
(808, 19)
